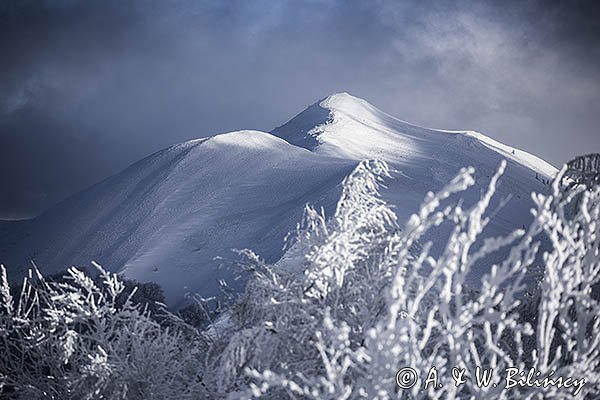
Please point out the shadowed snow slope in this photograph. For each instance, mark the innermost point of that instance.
(167, 217)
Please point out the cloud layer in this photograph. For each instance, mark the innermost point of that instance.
(88, 87)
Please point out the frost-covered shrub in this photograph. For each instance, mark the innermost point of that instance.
(79, 338)
(356, 299)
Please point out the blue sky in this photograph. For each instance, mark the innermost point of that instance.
(88, 87)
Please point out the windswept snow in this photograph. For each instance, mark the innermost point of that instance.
(167, 217)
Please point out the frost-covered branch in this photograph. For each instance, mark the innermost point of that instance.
(357, 298)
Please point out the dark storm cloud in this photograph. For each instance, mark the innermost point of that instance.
(87, 87)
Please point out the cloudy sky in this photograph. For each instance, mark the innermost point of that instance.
(89, 86)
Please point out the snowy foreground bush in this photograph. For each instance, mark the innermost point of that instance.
(355, 300)
(82, 339)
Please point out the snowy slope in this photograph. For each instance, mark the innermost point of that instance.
(348, 127)
(168, 216)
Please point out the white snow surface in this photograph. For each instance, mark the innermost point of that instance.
(167, 217)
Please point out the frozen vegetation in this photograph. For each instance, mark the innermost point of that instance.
(357, 296)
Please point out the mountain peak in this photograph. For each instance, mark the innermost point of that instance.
(305, 129)
(343, 100)
(345, 126)
(340, 96)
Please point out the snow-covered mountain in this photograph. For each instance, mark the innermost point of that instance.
(168, 216)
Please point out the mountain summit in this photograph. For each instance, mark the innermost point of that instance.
(349, 127)
(172, 216)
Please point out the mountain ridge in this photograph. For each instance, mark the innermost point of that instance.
(334, 108)
(166, 217)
